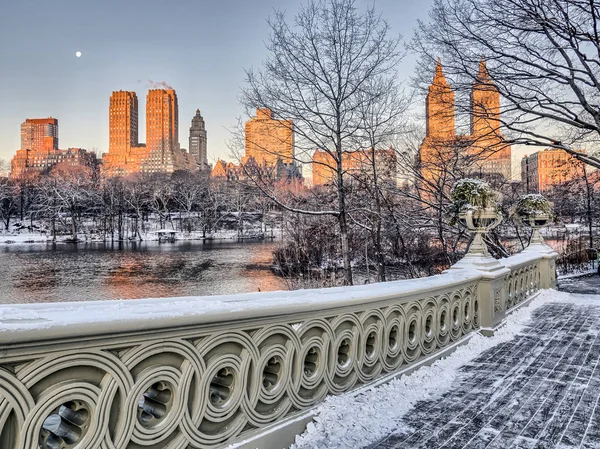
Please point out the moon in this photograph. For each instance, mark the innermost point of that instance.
(78, 54)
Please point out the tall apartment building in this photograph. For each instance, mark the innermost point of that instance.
(198, 140)
(124, 151)
(161, 153)
(162, 133)
(123, 122)
(39, 134)
(548, 168)
(268, 139)
(39, 153)
(483, 151)
(269, 151)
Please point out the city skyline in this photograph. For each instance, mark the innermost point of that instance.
(202, 56)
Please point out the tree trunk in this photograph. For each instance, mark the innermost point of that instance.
(589, 212)
(73, 225)
(343, 221)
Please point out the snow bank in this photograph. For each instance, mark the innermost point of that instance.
(23, 238)
(363, 417)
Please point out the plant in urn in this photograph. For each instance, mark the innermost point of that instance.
(474, 206)
(534, 210)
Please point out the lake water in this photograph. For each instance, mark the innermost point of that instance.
(95, 271)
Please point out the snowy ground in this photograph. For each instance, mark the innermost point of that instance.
(536, 383)
(584, 284)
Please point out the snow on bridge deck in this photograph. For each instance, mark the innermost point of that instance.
(535, 384)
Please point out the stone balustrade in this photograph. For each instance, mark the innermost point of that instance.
(206, 372)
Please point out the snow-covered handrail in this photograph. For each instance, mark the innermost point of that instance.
(205, 372)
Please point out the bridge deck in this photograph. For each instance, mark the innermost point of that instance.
(540, 390)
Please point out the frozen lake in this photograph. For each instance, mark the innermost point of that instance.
(95, 271)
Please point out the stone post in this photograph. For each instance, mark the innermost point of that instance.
(538, 246)
(491, 289)
(547, 263)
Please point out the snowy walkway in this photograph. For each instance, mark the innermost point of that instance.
(536, 388)
(540, 390)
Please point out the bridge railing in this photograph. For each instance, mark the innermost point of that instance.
(206, 372)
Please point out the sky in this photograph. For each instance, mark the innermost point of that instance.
(199, 47)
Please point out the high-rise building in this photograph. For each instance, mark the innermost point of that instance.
(124, 151)
(122, 122)
(161, 153)
(488, 148)
(269, 152)
(39, 134)
(162, 131)
(268, 139)
(198, 140)
(483, 151)
(545, 169)
(439, 107)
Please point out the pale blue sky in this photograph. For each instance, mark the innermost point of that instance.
(198, 47)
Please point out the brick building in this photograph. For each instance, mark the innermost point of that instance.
(251, 168)
(39, 152)
(548, 168)
(125, 153)
(483, 151)
(30, 164)
(39, 134)
(355, 164)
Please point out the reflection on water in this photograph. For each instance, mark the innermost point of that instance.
(86, 272)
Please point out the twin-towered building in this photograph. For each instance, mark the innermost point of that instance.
(483, 151)
(162, 152)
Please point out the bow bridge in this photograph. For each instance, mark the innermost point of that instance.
(246, 369)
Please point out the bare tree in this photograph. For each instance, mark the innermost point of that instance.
(65, 194)
(320, 69)
(543, 56)
(9, 201)
(188, 190)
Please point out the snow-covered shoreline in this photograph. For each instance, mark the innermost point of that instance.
(29, 238)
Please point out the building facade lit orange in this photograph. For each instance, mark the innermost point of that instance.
(354, 163)
(39, 153)
(548, 168)
(124, 151)
(268, 139)
(28, 164)
(250, 168)
(161, 152)
(483, 151)
(39, 134)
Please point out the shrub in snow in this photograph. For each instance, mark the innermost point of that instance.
(533, 205)
(470, 194)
